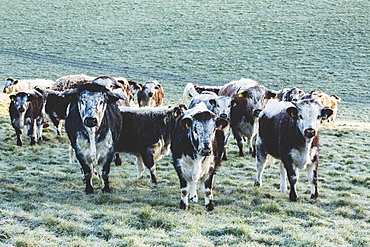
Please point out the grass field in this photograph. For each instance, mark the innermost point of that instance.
(43, 201)
(322, 45)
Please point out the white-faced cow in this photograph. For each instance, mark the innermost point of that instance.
(193, 149)
(146, 133)
(326, 100)
(93, 126)
(26, 109)
(248, 99)
(290, 94)
(13, 86)
(290, 132)
(219, 105)
(151, 94)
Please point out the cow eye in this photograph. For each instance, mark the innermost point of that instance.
(300, 117)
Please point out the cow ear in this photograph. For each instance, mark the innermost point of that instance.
(113, 97)
(177, 112)
(292, 112)
(30, 97)
(221, 123)
(326, 113)
(15, 82)
(212, 102)
(271, 95)
(12, 97)
(186, 122)
(70, 95)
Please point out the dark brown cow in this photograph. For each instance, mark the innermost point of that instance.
(26, 109)
(248, 99)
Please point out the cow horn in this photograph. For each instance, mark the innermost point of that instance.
(278, 92)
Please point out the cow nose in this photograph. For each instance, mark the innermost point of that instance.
(309, 133)
(205, 152)
(223, 115)
(21, 109)
(150, 94)
(90, 122)
(257, 112)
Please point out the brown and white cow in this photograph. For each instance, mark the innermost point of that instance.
(151, 94)
(93, 126)
(248, 99)
(27, 109)
(326, 100)
(193, 150)
(289, 131)
(13, 86)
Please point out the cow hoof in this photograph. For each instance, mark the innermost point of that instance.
(19, 144)
(89, 191)
(241, 154)
(106, 190)
(154, 179)
(183, 206)
(210, 206)
(314, 196)
(293, 198)
(257, 184)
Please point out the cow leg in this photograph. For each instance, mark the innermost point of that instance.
(261, 161)
(184, 188)
(31, 131)
(104, 174)
(283, 186)
(313, 178)
(206, 188)
(252, 145)
(86, 171)
(18, 133)
(39, 128)
(148, 158)
(117, 159)
(293, 179)
(140, 167)
(239, 141)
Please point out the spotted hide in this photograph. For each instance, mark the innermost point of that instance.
(193, 151)
(93, 126)
(290, 132)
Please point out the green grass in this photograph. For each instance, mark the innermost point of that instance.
(43, 201)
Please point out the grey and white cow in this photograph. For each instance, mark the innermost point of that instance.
(93, 126)
(193, 149)
(290, 94)
(290, 132)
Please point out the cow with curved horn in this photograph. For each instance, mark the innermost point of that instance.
(248, 100)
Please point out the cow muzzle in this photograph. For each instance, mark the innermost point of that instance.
(257, 112)
(205, 152)
(309, 133)
(150, 94)
(21, 109)
(90, 122)
(223, 115)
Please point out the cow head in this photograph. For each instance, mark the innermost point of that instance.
(308, 114)
(21, 101)
(8, 83)
(290, 94)
(201, 126)
(221, 106)
(256, 98)
(150, 87)
(91, 100)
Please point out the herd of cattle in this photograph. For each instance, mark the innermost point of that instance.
(101, 121)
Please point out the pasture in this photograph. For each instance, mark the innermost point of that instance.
(311, 45)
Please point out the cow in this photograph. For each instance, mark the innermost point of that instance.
(151, 94)
(289, 131)
(13, 86)
(248, 99)
(219, 105)
(193, 150)
(70, 82)
(290, 94)
(93, 126)
(26, 109)
(146, 133)
(326, 100)
(193, 90)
